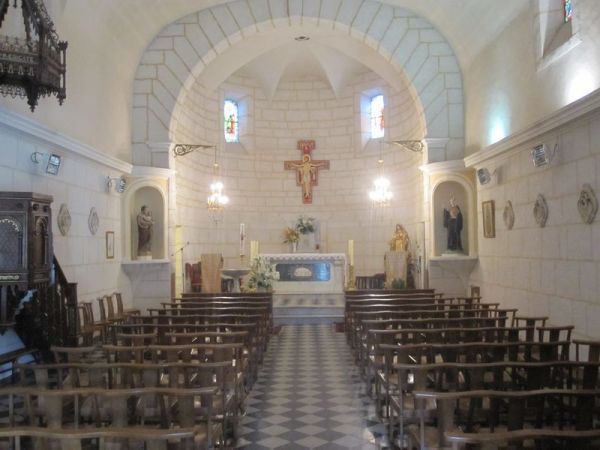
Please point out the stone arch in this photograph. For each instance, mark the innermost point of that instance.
(182, 50)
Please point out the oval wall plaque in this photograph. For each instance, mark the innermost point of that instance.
(540, 211)
(509, 215)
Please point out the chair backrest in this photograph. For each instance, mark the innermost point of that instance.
(110, 307)
(102, 308)
(119, 300)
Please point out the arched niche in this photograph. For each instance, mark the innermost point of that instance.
(457, 187)
(152, 194)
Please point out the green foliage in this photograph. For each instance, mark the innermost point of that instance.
(305, 225)
(398, 283)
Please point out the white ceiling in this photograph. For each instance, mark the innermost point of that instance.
(302, 60)
(469, 25)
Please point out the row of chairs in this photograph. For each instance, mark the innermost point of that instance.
(459, 372)
(173, 378)
(111, 310)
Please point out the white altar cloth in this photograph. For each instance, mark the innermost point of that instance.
(303, 261)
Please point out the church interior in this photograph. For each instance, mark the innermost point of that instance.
(332, 224)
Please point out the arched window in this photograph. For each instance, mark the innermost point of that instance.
(377, 121)
(568, 10)
(231, 121)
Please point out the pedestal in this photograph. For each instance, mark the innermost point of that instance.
(237, 275)
(396, 267)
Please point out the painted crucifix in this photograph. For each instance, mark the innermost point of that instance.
(307, 169)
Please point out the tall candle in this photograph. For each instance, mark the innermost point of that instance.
(253, 250)
(351, 251)
(242, 239)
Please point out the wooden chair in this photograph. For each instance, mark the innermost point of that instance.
(122, 312)
(96, 328)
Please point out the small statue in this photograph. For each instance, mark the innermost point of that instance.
(145, 224)
(400, 241)
(453, 222)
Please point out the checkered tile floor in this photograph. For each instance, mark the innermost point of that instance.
(309, 395)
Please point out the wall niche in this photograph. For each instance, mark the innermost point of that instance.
(152, 194)
(444, 193)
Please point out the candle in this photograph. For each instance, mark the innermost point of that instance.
(351, 251)
(242, 238)
(253, 250)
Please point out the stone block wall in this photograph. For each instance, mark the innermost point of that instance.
(555, 270)
(266, 198)
(80, 184)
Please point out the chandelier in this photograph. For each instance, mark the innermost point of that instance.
(217, 200)
(33, 65)
(381, 194)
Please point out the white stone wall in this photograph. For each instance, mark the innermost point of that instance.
(508, 88)
(80, 184)
(266, 198)
(553, 271)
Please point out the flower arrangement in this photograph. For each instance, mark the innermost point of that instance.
(262, 274)
(291, 235)
(305, 225)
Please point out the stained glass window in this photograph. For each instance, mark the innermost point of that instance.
(377, 122)
(230, 115)
(568, 7)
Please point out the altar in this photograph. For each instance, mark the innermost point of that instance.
(310, 287)
(309, 272)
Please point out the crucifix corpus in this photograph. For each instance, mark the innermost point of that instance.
(307, 169)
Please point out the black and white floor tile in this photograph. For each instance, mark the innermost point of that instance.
(309, 395)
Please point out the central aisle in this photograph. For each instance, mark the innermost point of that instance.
(309, 395)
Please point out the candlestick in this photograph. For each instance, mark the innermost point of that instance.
(351, 251)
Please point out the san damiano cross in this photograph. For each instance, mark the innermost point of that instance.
(307, 169)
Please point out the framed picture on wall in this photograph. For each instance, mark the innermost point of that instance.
(110, 245)
(489, 218)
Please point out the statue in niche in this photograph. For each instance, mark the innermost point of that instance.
(145, 225)
(453, 222)
(400, 241)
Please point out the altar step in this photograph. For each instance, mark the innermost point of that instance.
(307, 308)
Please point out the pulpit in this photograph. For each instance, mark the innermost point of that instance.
(41, 309)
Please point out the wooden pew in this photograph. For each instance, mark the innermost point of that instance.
(53, 417)
(486, 412)
(502, 375)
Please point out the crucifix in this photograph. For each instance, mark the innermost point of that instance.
(307, 169)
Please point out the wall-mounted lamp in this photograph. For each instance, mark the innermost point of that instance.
(484, 176)
(118, 182)
(53, 164)
(541, 156)
(412, 145)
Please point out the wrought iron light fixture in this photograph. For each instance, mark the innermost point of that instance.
(217, 200)
(32, 66)
(184, 149)
(412, 145)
